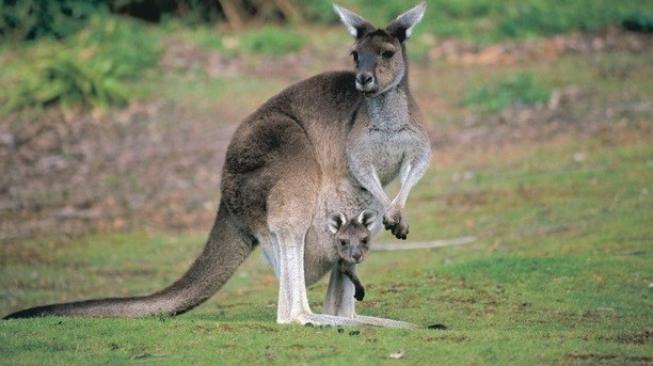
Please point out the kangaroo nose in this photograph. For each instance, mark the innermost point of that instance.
(365, 78)
(357, 257)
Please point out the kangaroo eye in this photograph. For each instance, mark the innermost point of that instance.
(387, 54)
(364, 240)
(354, 54)
(343, 242)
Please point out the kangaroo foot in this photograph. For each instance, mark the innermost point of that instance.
(383, 322)
(357, 320)
(323, 319)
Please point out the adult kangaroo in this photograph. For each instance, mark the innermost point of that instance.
(324, 145)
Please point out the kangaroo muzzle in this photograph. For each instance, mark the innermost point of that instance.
(365, 80)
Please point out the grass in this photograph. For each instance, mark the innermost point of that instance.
(273, 41)
(560, 274)
(519, 89)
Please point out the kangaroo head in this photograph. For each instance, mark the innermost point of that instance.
(379, 53)
(352, 235)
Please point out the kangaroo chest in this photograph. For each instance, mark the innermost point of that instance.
(384, 137)
(388, 149)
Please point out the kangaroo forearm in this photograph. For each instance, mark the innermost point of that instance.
(379, 194)
(359, 289)
(411, 173)
(370, 181)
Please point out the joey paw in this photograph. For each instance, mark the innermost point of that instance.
(359, 293)
(393, 220)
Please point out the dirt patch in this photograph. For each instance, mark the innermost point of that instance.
(456, 51)
(73, 174)
(589, 357)
(642, 337)
(582, 112)
(15, 254)
(448, 338)
(182, 56)
(394, 288)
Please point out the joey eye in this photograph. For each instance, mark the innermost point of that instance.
(364, 240)
(387, 55)
(343, 242)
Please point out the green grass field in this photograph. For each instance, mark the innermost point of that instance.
(560, 274)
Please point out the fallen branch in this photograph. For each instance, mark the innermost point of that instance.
(414, 245)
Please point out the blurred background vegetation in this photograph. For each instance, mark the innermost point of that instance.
(86, 53)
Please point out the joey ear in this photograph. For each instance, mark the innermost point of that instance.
(336, 221)
(356, 24)
(402, 26)
(367, 218)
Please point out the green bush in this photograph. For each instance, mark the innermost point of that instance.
(65, 80)
(125, 47)
(33, 19)
(638, 23)
(273, 41)
(319, 11)
(516, 90)
(91, 69)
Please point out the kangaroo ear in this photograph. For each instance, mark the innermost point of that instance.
(336, 221)
(356, 24)
(367, 218)
(402, 26)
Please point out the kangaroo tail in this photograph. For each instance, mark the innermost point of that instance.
(223, 253)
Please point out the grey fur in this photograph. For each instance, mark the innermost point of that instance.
(320, 146)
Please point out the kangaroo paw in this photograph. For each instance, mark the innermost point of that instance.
(359, 294)
(393, 220)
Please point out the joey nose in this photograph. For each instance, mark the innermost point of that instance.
(357, 257)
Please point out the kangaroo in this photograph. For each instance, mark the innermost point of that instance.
(330, 143)
(351, 239)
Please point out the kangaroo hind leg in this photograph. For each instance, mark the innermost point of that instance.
(287, 242)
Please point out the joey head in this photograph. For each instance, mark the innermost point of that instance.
(352, 240)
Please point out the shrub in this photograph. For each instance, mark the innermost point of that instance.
(638, 23)
(65, 80)
(90, 69)
(319, 11)
(32, 19)
(516, 90)
(125, 47)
